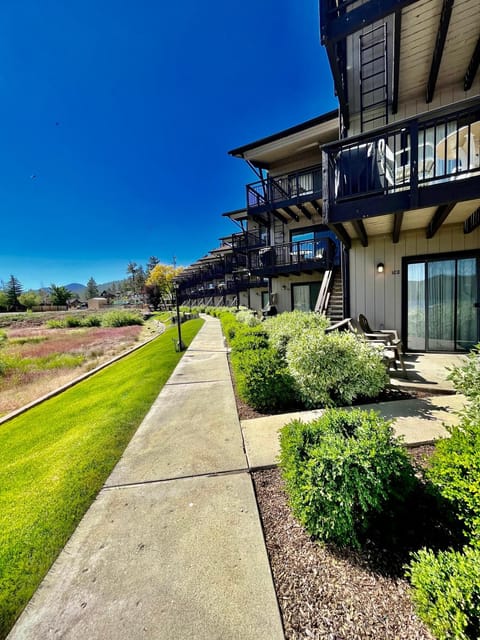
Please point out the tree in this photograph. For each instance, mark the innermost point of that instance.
(92, 289)
(3, 301)
(152, 262)
(30, 299)
(59, 295)
(132, 268)
(159, 284)
(13, 289)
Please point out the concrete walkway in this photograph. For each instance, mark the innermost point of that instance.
(173, 547)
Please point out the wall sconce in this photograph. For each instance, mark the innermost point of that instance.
(284, 287)
(380, 267)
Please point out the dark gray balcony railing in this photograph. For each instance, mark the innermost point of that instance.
(290, 188)
(248, 239)
(293, 256)
(404, 156)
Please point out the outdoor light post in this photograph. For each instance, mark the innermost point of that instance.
(179, 324)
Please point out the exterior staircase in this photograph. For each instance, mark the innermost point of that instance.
(334, 311)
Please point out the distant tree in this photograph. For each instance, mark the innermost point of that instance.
(3, 301)
(13, 289)
(152, 262)
(159, 284)
(30, 299)
(92, 289)
(59, 295)
(132, 269)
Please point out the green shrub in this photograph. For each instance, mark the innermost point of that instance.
(249, 338)
(262, 379)
(455, 465)
(282, 328)
(92, 321)
(340, 470)
(447, 592)
(333, 369)
(3, 336)
(73, 321)
(55, 324)
(230, 325)
(121, 319)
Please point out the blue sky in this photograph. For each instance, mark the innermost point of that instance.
(116, 119)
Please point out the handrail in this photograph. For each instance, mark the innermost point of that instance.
(293, 254)
(405, 155)
(296, 185)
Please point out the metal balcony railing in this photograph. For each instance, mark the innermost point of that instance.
(293, 256)
(248, 239)
(290, 188)
(412, 155)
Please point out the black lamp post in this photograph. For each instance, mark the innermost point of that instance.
(181, 346)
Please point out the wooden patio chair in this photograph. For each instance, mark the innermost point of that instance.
(392, 346)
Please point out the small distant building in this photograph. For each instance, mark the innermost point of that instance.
(97, 303)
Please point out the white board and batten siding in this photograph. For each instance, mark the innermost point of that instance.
(379, 295)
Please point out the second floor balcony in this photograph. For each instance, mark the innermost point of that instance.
(297, 193)
(293, 257)
(408, 165)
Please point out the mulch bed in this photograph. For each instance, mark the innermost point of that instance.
(328, 593)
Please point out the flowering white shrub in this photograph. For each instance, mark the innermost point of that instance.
(247, 317)
(333, 369)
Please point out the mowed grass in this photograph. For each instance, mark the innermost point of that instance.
(55, 458)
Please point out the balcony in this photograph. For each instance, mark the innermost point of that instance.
(409, 165)
(293, 257)
(248, 240)
(296, 193)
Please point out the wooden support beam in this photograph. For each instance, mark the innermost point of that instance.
(318, 207)
(360, 231)
(396, 59)
(339, 82)
(472, 222)
(291, 213)
(439, 218)
(472, 67)
(342, 234)
(305, 211)
(397, 226)
(439, 47)
(276, 214)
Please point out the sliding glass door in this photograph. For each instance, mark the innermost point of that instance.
(442, 304)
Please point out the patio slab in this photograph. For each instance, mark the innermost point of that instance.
(417, 421)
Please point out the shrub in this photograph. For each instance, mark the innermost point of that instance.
(92, 321)
(263, 380)
(339, 471)
(73, 321)
(455, 464)
(230, 325)
(55, 324)
(249, 338)
(447, 592)
(334, 369)
(121, 319)
(248, 317)
(282, 328)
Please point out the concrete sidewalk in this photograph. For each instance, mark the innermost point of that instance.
(173, 547)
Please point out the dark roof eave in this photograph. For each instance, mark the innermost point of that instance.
(240, 151)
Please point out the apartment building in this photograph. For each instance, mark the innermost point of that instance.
(375, 208)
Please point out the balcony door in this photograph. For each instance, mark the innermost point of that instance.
(443, 299)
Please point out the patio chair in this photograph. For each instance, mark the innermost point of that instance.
(392, 346)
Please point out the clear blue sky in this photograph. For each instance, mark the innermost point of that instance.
(116, 119)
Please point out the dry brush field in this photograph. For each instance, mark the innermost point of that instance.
(36, 359)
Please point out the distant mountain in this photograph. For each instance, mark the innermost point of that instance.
(76, 288)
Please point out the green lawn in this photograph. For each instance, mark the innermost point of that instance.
(55, 458)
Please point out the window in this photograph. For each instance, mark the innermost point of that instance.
(304, 296)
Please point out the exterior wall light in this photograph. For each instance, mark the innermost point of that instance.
(380, 267)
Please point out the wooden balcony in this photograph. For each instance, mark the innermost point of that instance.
(288, 196)
(293, 257)
(410, 165)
